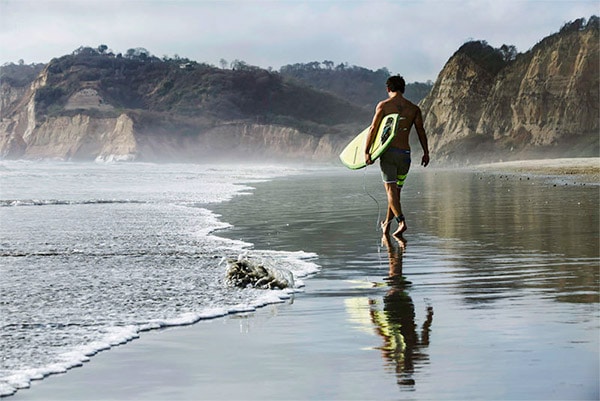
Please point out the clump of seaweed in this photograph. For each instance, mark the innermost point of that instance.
(244, 272)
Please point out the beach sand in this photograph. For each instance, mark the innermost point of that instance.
(326, 342)
(581, 169)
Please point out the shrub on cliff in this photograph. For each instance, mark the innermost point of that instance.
(47, 98)
(487, 57)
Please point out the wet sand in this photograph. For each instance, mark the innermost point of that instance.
(487, 302)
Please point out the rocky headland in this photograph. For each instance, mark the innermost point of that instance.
(495, 104)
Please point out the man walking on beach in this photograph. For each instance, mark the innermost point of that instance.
(395, 161)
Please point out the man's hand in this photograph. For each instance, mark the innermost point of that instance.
(368, 159)
(425, 160)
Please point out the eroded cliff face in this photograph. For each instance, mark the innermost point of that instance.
(544, 103)
(82, 137)
(9, 96)
(240, 139)
(454, 107)
(18, 117)
(78, 137)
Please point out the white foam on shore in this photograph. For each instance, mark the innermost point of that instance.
(121, 335)
(299, 262)
(74, 358)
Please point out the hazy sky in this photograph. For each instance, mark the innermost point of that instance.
(414, 37)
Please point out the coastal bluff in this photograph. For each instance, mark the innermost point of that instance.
(96, 106)
(494, 104)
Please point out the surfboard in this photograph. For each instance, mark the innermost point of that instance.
(353, 155)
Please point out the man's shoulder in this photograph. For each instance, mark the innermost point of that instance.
(414, 110)
(410, 104)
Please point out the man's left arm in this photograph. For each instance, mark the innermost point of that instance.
(422, 137)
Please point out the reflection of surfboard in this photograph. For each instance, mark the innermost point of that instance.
(353, 155)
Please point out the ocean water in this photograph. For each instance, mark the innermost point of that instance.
(93, 254)
(495, 295)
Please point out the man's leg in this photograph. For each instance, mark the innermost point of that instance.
(394, 208)
(394, 167)
(385, 225)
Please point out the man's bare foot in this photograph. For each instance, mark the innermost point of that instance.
(401, 228)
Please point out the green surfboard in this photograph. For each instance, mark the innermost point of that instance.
(353, 155)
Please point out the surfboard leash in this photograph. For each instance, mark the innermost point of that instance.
(377, 224)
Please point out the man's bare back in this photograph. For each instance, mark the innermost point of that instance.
(411, 113)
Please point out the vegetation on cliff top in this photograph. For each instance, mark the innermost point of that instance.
(493, 60)
(359, 85)
(19, 75)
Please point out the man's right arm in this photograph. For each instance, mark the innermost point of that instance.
(373, 131)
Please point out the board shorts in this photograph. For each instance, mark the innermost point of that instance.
(394, 164)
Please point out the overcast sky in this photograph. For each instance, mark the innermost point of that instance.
(414, 38)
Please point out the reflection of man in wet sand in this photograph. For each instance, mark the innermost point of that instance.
(395, 161)
(396, 323)
(394, 255)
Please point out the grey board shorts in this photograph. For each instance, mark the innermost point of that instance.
(394, 164)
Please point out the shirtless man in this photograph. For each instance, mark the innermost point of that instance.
(395, 161)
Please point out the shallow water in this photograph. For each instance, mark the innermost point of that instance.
(497, 295)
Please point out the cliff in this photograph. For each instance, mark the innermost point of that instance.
(492, 104)
(95, 106)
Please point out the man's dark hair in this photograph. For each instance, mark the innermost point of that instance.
(396, 84)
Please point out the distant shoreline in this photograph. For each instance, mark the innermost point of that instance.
(583, 169)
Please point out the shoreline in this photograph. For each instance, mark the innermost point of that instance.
(580, 169)
(331, 340)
